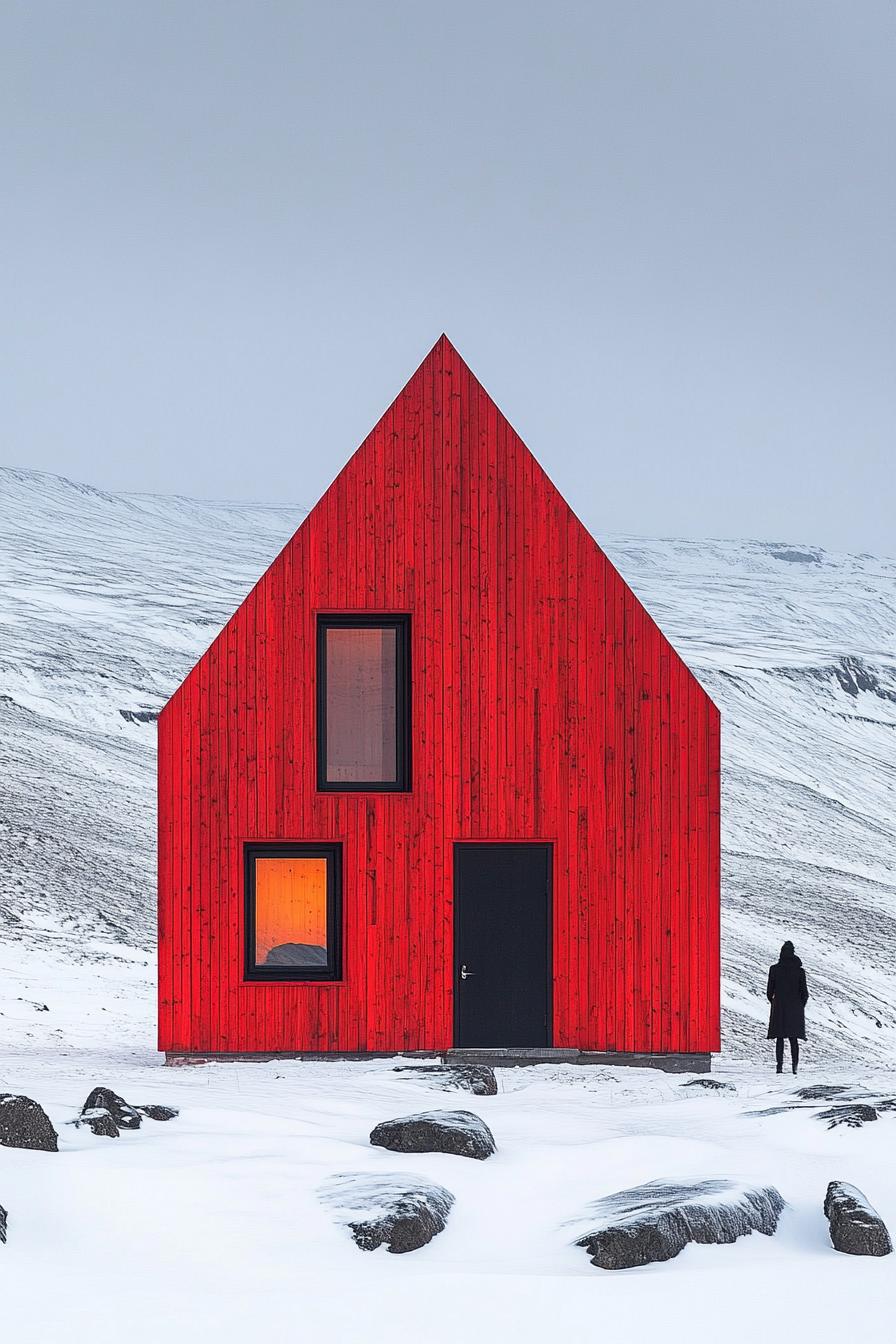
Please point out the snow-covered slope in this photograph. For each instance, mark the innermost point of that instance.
(106, 601)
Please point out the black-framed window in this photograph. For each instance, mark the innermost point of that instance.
(363, 703)
(293, 912)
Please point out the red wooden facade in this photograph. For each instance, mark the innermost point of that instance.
(546, 705)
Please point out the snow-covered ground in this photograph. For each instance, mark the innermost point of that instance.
(210, 1226)
(107, 600)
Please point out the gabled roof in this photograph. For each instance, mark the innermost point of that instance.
(446, 446)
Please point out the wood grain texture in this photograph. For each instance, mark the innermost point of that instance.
(546, 705)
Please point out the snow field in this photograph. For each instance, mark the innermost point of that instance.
(213, 1220)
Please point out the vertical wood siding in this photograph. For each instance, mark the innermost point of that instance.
(547, 705)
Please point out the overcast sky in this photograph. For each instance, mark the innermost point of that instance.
(661, 234)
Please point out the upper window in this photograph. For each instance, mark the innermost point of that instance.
(363, 703)
(292, 912)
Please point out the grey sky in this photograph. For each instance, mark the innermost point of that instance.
(662, 234)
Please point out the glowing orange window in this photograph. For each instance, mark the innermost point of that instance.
(292, 914)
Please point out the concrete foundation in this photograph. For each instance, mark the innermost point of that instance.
(511, 1059)
(498, 1058)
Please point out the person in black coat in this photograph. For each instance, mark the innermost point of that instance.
(787, 993)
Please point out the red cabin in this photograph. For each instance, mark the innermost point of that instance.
(441, 782)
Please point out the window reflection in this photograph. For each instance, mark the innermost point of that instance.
(361, 681)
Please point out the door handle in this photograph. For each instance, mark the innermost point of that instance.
(465, 974)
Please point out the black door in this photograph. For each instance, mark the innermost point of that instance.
(502, 963)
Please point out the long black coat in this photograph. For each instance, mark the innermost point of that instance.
(787, 993)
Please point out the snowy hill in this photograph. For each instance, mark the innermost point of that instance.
(106, 601)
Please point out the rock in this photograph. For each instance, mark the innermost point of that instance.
(822, 1091)
(710, 1084)
(458, 1132)
(2, 1224)
(853, 1114)
(104, 1099)
(777, 1110)
(391, 1209)
(100, 1122)
(476, 1078)
(856, 1228)
(656, 1221)
(24, 1124)
(155, 1112)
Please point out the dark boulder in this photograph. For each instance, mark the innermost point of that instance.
(388, 1209)
(104, 1099)
(24, 1124)
(458, 1132)
(2, 1224)
(476, 1078)
(710, 1085)
(822, 1091)
(99, 1121)
(154, 1112)
(656, 1221)
(852, 1114)
(856, 1228)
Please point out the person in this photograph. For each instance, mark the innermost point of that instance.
(787, 993)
